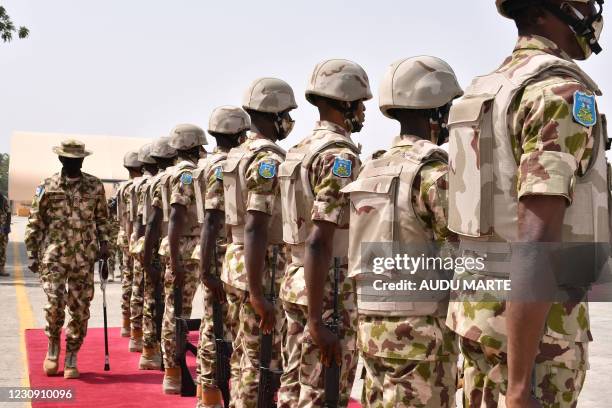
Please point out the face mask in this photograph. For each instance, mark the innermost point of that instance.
(72, 167)
(587, 30)
(354, 123)
(437, 125)
(285, 127)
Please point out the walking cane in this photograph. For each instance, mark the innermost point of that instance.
(103, 270)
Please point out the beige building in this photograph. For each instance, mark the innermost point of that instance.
(32, 160)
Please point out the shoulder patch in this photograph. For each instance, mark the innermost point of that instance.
(186, 178)
(342, 167)
(584, 110)
(219, 173)
(40, 190)
(267, 170)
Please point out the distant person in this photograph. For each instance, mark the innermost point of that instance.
(66, 233)
(5, 229)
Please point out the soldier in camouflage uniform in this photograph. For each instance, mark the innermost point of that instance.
(183, 236)
(152, 217)
(409, 355)
(253, 214)
(529, 136)
(228, 125)
(5, 229)
(315, 224)
(113, 227)
(134, 168)
(66, 233)
(149, 170)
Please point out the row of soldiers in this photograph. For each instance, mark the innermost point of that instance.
(523, 139)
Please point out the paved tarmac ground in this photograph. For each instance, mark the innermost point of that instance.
(22, 301)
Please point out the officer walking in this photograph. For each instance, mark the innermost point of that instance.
(66, 233)
(315, 224)
(399, 201)
(527, 148)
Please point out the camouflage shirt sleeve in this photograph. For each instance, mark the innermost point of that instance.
(183, 192)
(430, 199)
(550, 146)
(262, 182)
(326, 183)
(36, 227)
(101, 213)
(156, 201)
(142, 192)
(213, 198)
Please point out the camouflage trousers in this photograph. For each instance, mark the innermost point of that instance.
(250, 341)
(399, 383)
(137, 298)
(168, 326)
(235, 299)
(303, 375)
(113, 249)
(69, 285)
(3, 245)
(126, 282)
(149, 322)
(485, 377)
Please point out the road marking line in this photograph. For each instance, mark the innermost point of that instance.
(24, 310)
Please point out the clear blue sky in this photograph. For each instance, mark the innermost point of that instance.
(136, 67)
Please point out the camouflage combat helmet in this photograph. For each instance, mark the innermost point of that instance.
(144, 154)
(271, 95)
(418, 83)
(339, 79)
(228, 120)
(162, 149)
(130, 160)
(186, 136)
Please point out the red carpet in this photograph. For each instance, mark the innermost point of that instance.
(123, 386)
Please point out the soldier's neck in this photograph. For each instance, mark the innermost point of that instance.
(263, 129)
(418, 128)
(333, 116)
(188, 158)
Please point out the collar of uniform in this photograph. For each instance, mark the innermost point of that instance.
(255, 136)
(542, 44)
(219, 149)
(332, 127)
(404, 140)
(185, 163)
(65, 181)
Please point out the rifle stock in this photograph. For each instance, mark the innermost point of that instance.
(269, 380)
(332, 373)
(223, 348)
(188, 388)
(159, 304)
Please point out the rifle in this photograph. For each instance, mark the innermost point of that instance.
(223, 349)
(332, 373)
(103, 271)
(269, 380)
(159, 304)
(188, 387)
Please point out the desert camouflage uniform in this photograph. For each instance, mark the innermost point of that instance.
(412, 360)
(182, 193)
(124, 247)
(5, 213)
(113, 226)
(540, 120)
(137, 298)
(262, 194)
(67, 221)
(302, 378)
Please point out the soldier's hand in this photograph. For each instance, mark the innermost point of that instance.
(103, 254)
(328, 343)
(33, 265)
(214, 284)
(265, 310)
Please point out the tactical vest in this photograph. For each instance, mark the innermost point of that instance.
(191, 226)
(199, 180)
(483, 203)
(236, 192)
(138, 181)
(382, 213)
(298, 196)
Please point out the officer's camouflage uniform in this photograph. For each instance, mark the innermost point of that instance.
(5, 213)
(302, 378)
(262, 194)
(124, 247)
(67, 220)
(182, 193)
(551, 151)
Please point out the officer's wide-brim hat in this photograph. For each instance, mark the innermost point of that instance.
(71, 148)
